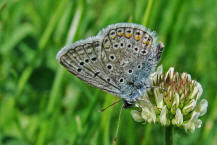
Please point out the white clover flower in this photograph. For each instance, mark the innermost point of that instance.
(173, 100)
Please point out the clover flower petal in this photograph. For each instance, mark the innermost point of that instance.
(163, 116)
(178, 120)
(193, 123)
(202, 107)
(136, 116)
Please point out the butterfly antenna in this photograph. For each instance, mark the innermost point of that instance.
(119, 118)
(103, 109)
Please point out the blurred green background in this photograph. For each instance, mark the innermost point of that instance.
(43, 104)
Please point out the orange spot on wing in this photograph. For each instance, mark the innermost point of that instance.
(128, 35)
(120, 34)
(146, 42)
(137, 37)
(112, 37)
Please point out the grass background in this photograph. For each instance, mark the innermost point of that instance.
(42, 104)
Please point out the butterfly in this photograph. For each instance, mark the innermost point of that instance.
(118, 60)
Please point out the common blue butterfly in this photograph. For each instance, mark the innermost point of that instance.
(118, 60)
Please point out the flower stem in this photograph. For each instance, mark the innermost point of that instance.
(169, 135)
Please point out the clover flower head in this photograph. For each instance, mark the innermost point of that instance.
(173, 100)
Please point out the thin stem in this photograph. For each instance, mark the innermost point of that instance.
(168, 135)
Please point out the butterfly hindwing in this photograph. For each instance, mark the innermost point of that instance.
(129, 53)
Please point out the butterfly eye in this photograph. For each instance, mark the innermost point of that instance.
(86, 60)
(108, 79)
(130, 71)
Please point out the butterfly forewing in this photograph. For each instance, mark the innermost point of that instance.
(82, 59)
